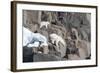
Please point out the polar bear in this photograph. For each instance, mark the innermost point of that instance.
(55, 39)
(29, 38)
(44, 23)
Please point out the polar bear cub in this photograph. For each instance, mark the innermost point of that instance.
(55, 39)
(44, 23)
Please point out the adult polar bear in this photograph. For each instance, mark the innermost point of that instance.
(56, 39)
(30, 37)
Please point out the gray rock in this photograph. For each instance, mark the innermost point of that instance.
(39, 57)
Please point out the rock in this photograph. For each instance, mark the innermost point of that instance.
(73, 57)
(45, 33)
(53, 50)
(61, 31)
(44, 49)
(84, 49)
(27, 54)
(62, 50)
(39, 57)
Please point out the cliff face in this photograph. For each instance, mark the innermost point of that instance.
(61, 23)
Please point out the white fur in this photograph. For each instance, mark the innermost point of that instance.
(29, 36)
(56, 38)
(35, 44)
(44, 23)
